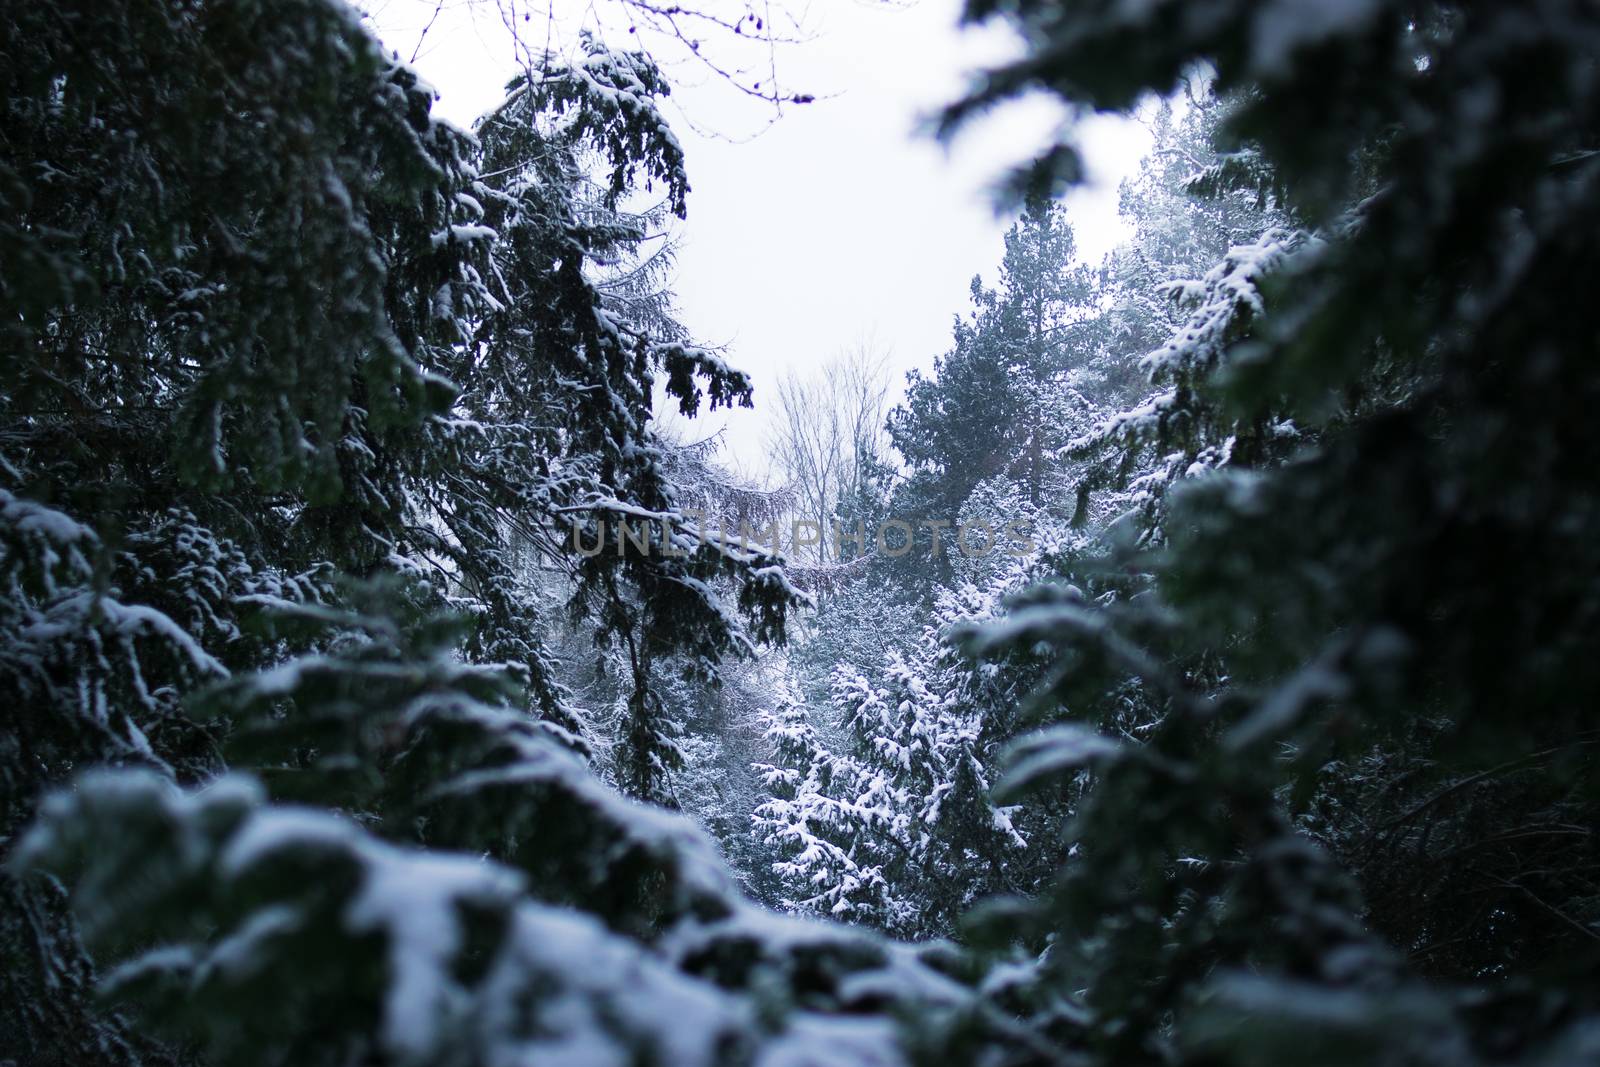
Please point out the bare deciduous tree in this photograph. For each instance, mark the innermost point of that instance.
(828, 432)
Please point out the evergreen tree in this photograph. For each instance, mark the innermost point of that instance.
(891, 824)
(1002, 401)
(1351, 610)
(300, 380)
(272, 324)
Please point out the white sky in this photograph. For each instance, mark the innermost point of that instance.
(841, 222)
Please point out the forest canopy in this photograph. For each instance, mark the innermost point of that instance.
(377, 692)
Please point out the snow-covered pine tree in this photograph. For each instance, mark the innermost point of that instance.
(271, 326)
(1178, 430)
(882, 811)
(184, 400)
(819, 826)
(1363, 618)
(577, 374)
(1208, 225)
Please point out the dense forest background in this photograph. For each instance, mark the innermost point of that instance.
(377, 691)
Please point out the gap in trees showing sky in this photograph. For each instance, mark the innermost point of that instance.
(838, 224)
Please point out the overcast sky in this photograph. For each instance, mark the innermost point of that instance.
(840, 223)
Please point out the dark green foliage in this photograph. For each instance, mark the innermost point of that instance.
(1364, 687)
(1004, 399)
(161, 182)
(292, 398)
(304, 395)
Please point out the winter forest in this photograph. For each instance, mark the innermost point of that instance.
(1196, 661)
